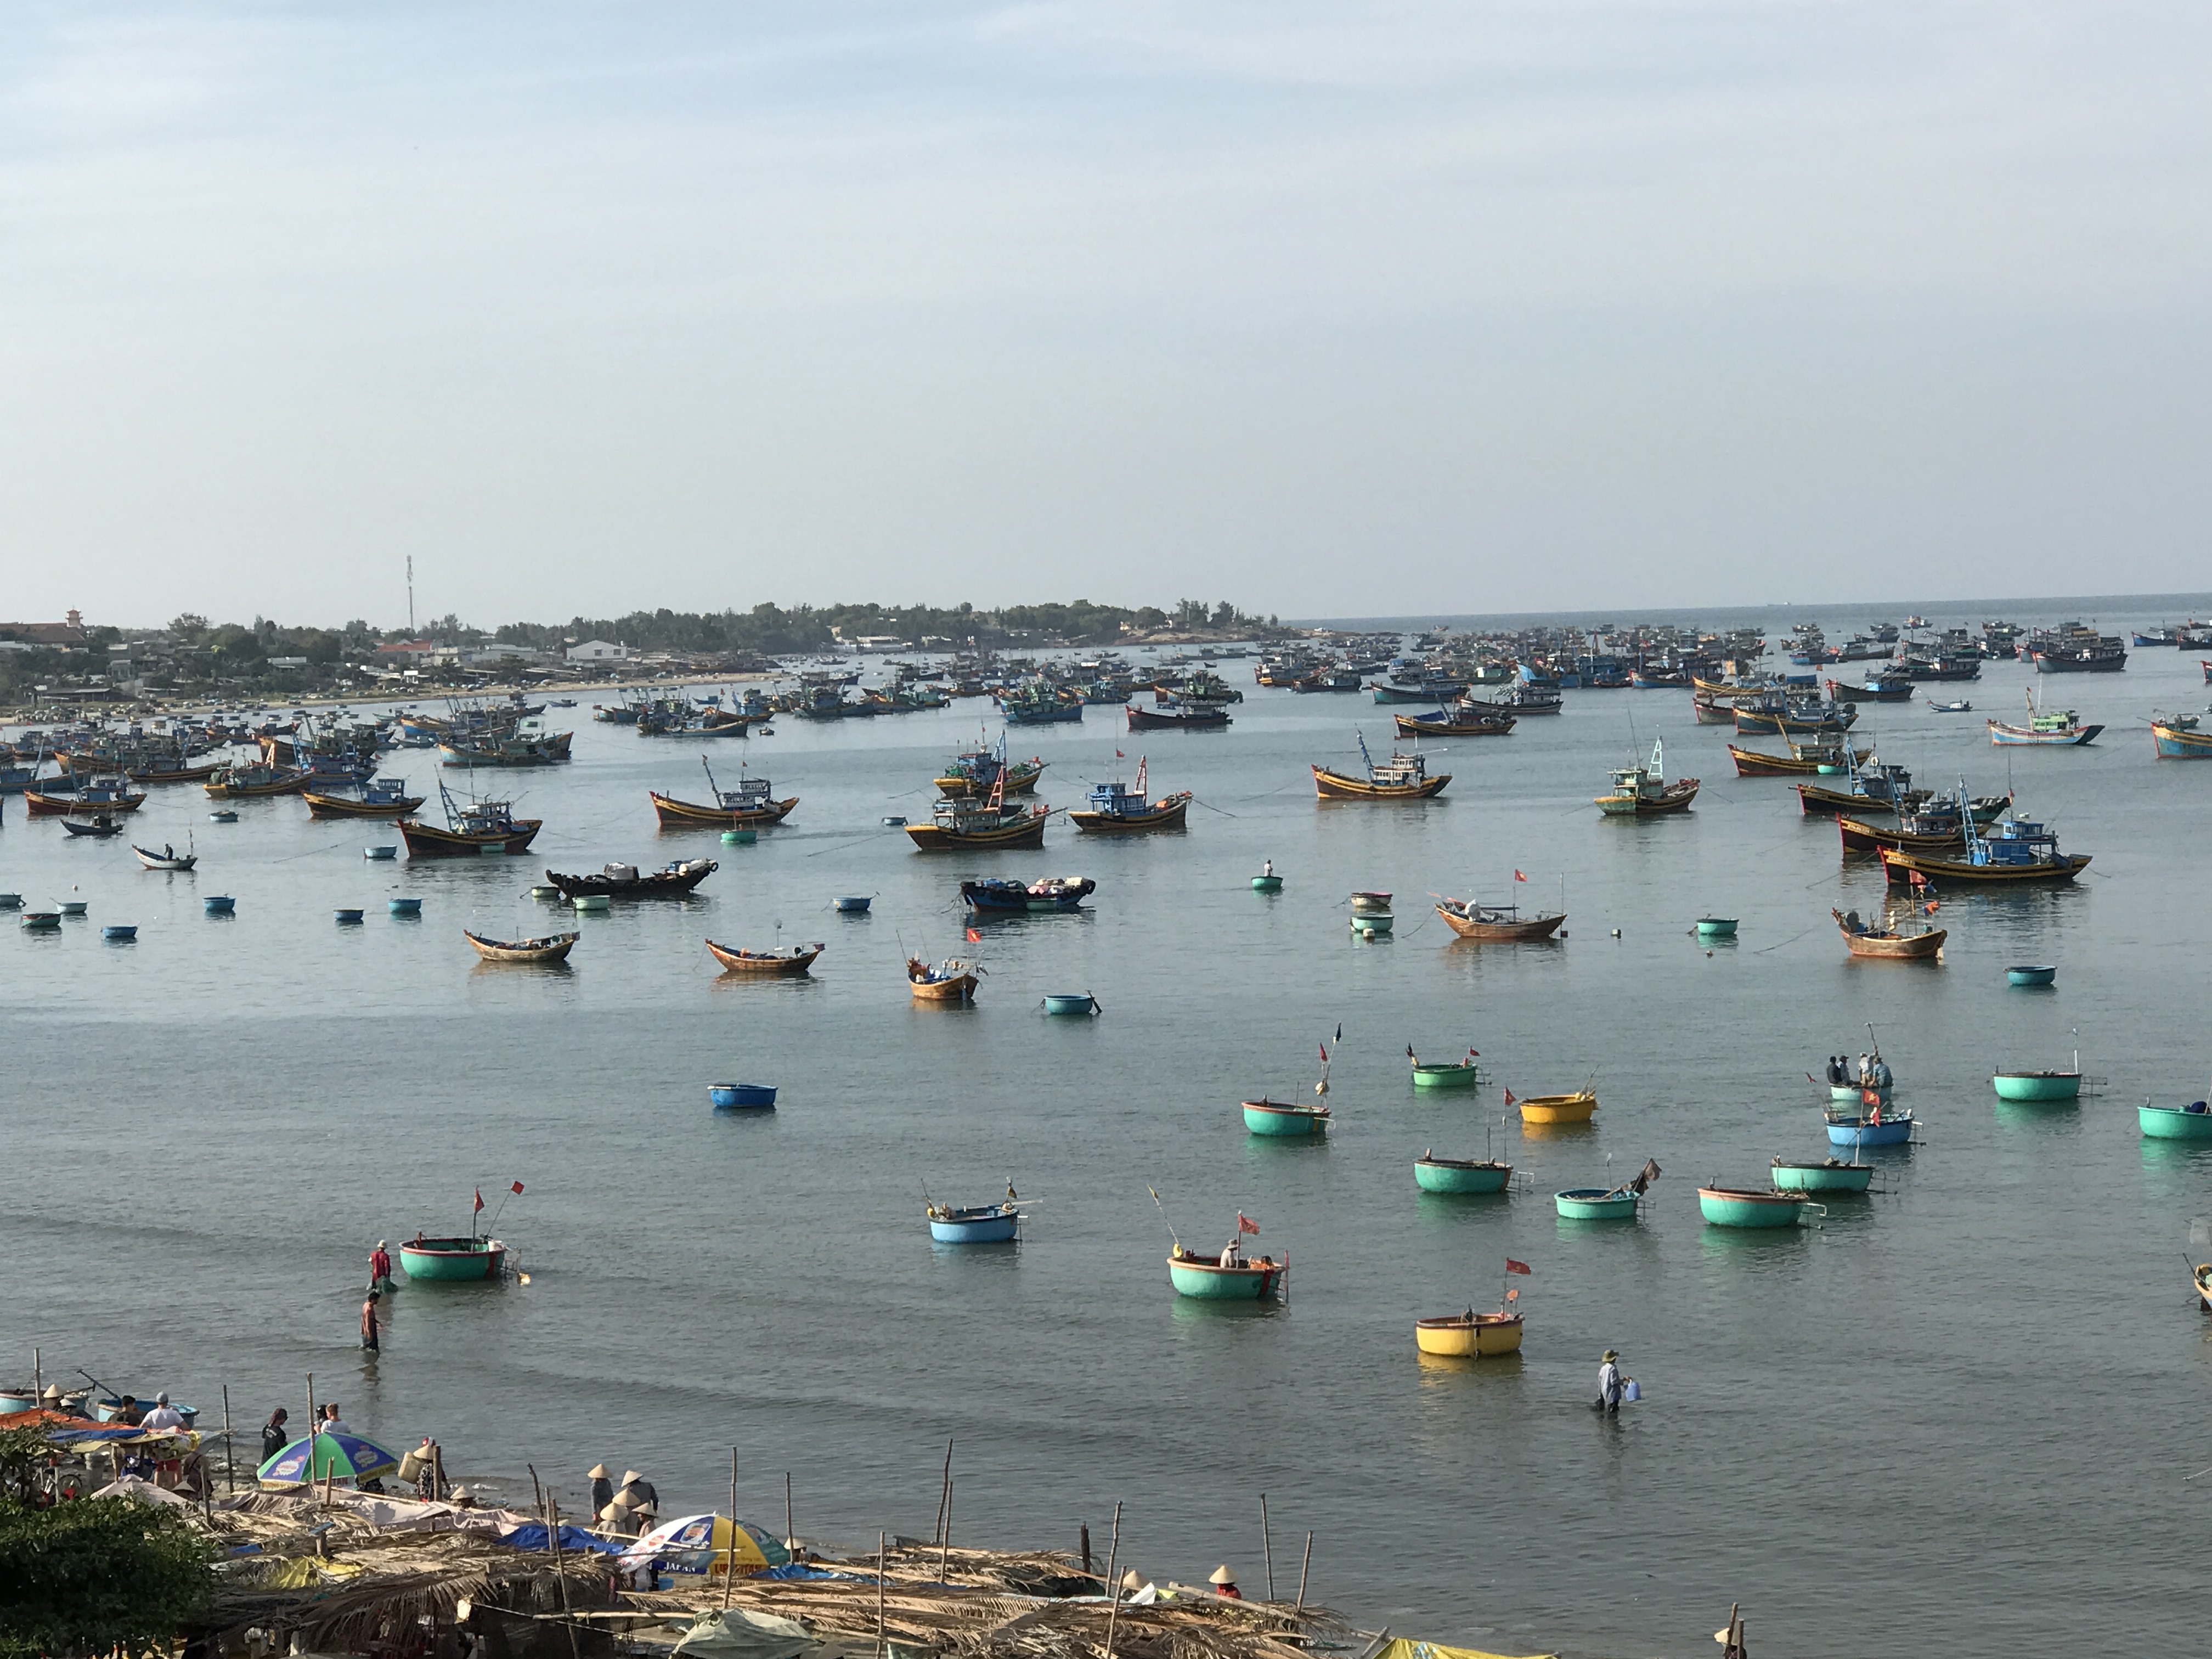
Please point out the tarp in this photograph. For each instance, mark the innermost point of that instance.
(1402, 1647)
(737, 1633)
(532, 1535)
(144, 1491)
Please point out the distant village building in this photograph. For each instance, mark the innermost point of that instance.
(61, 633)
(598, 651)
(417, 651)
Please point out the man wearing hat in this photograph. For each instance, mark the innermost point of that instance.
(379, 1268)
(638, 1492)
(1225, 1583)
(1609, 1383)
(603, 1489)
(164, 1418)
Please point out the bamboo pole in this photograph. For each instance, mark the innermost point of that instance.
(536, 1491)
(883, 1643)
(1086, 1550)
(944, 1494)
(552, 1513)
(38, 1376)
(1303, 1566)
(944, 1549)
(1113, 1586)
(229, 1446)
(312, 1424)
(1268, 1546)
(729, 1561)
(790, 1537)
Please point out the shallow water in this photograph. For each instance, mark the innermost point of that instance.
(1957, 1415)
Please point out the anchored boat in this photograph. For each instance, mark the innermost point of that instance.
(1830, 1175)
(1460, 1175)
(437, 1260)
(2038, 1085)
(551, 948)
(1114, 810)
(1470, 1335)
(1886, 943)
(1446, 1074)
(997, 895)
(752, 802)
(1498, 923)
(380, 798)
(1406, 777)
(2012, 850)
(1279, 1118)
(788, 962)
(1745, 1207)
(472, 826)
(2060, 728)
(1230, 1280)
(953, 980)
(1576, 1108)
(1643, 791)
(983, 1224)
(960, 825)
(626, 881)
(2189, 1122)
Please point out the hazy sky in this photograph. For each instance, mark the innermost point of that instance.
(1325, 309)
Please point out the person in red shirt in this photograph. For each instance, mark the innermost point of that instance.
(1225, 1583)
(379, 1268)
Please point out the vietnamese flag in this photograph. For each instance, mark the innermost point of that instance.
(479, 1199)
(1513, 1266)
(1518, 876)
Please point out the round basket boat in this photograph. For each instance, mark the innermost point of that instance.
(754, 1096)
(1830, 1175)
(1463, 1074)
(1742, 1206)
(216, 904)
(1716, 927)
(1368, 923)
(1204, 1280)
(2029, 974)
(2190, 1122)
(987, 1224)
(1070, 1003)
(1559, 1109)
(434, 1260)
(347, 918)
(1275, 1117)
(1596, 1203)
(120, 933)
(1266, 884)
(1460, 1175)
(740, 837)
(591, 904)
(1469, 1335)
(380, 854)
(854, 905)
(403, 906)
(2037, 1085)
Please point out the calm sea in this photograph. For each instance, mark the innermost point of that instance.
(1959, 1416)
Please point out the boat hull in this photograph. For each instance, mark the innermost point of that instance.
(2021, 735)
(1028, 833)
(1558, 1109)
(1464, 1075)
(1729, 1206)
(2037, 1085)
(1150, 720)
(1502, 932)
(1856, 1131)
(341, 806)
(1207, 1281)
(454, 1260)
(769, 964)
(996, 1225)
(1335, 786)
(1911, 947)
(1166, 814)
(2025, 976)
(754, 1097)
(1899, 866)
(1083, 1004)
(1462, 1336)
(1266, 884)
(686, 815)
(543, 951)
(1831, 1176)
(1461, 1176)
(2174, 744)
(2170, 1123)
(427, 841)
(1596, 1204)
(1268, 1117)
(1419, 725)
(1676, 798)
(1750, 763)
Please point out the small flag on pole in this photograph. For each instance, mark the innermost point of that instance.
(1518, 876)
(1513, 1266)
(1245, 1224)
(480, 1198)
(516, 1188)
(1324, 1053)
(1508, 1096)
(975, 938)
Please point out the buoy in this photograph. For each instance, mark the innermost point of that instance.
(1616, 932)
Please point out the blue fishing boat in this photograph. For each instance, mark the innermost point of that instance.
(2176, 741)
(983, 1224)
(2189, 1122)
(1117, 809)
(2029, 974)
(346, 918)
(999, 895)
(380, 855)
(120, 933)
(1596, 1203)
(403, 906)
(1070, 1003)
(853, 905)
(1872, 1127)
(218, 904)
(750, 1095)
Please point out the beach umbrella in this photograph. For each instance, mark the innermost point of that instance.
(341, 1455)
(706, 1544)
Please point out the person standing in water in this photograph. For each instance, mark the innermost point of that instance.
(1609, 1383)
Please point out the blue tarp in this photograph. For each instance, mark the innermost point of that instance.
(798, 1570)
(532, 1535)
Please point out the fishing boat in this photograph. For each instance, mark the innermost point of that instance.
(997, 895)
(961, 825)
(2189, 1122)
(2060, 728)
(2174, 741)
(1829, 1175)
(97, 825)
(953, 980)
(788, 963)
(545, 951)
(1446, 1074)
(1887, 942)
(1267, 882)
(1918, 832)
(1575, 1108)
(980, 770)
(1404, 777)
(1716, 927)
(1070, 1002)
(380, 798)
(1643, 792)
(981, 1224)
(54, 797)
(1206, 1279)
(627, 881)
(43, 922)
(751, 802)
(1470, 1335)
(1114, 810)
(1803, 760)
(2013, 850)
(257, 782)
(2028, 974)
(1874, 787)
(2037, 1086)
(1465, 720)
(1186, 716)
(168, 859)
(224, 816)
(1596, 1203)
(1870, 1126)
(750, 1097)
(1960, 707)
(433, 1260)
(1498, 923)
(472, 826)
(403, 907)
(120, 933)
(1460, 1175)
(1279, 1118)
(1743, 1206)
(1424, 690)
(218, 904)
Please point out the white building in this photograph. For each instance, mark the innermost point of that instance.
(598, 651)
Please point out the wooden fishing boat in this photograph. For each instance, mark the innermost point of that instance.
(2037, 1085)
(1189, 717)
(1464, 721)
(380, 798)
(981, 1224)
(752, 802)
(1204, 1278)
(1114, 810)
(97, 825)
(747, 1097)
(1404, 777)
(627, 881)
(1451, 1074)
(1470, 1335)
(999, 896)
(1460, 1175)
(1755, 722)
(552, 948)
(473, 827)
(1500, 923)
(2057, 728)
(1860, 836)
(1743, 1206)
(953, 980)
(2014, 850)
(978, 773)
(433, 1260)
(1887, 943)
(50, 799)
(788, 963)
(168, 859)
(2189, 1122)
(968, 825)
(257, 782)
(1830, 1175)
(1643, 792)
(1751, 763)
(1597, 1203)
(1279, 1118)
(1575, 1108)
(2175, 741)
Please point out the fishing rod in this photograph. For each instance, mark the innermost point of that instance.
(1163, 1216)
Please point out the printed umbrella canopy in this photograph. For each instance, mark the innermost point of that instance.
(703, 1543)
(341, 1455)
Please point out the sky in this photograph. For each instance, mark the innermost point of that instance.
(1469, 306)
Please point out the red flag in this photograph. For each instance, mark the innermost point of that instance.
(1518, 876)
(1930, 907)
(1870, 1098)
(1118, 755)
(1245, 1224)
(1918, 880)
(1508, 1096)
(975, 938)
(516, 1188)
(1324, 1053)
(479, 1198)
(1513, 1266)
